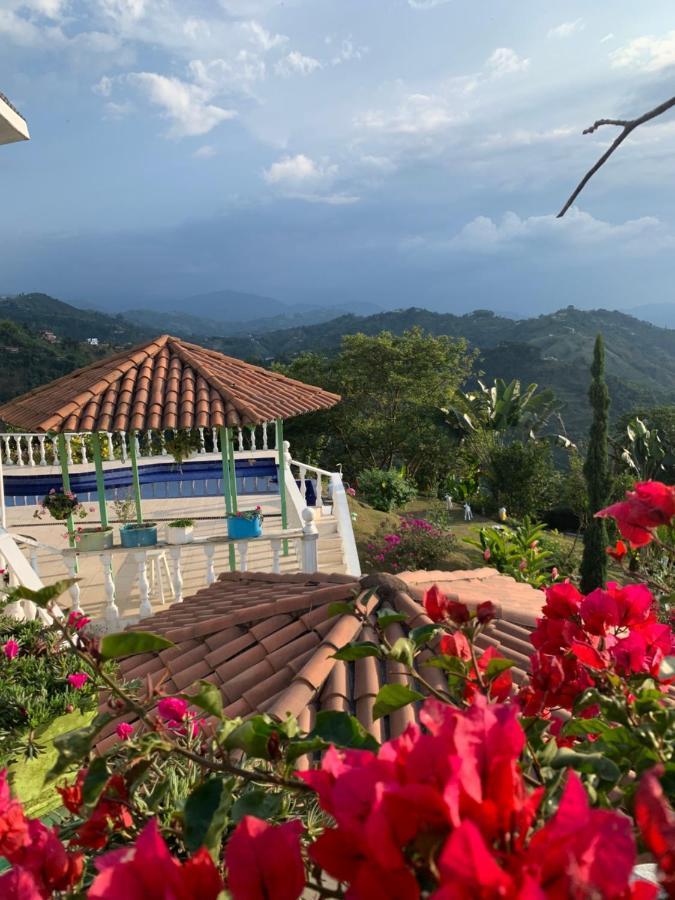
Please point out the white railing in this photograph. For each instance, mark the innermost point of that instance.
(35, 450)
(337, 501)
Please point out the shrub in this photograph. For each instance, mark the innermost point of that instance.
(414, 544)
(385, 489)
(520, 552)
(522, 478)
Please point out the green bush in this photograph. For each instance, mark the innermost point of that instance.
(34, 686)
(385, 489)
(520, 552)
(522, 478)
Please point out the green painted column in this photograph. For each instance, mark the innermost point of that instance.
(281, 468)
(100, 481)
(133, 456)
(65, 477)
(227, 490)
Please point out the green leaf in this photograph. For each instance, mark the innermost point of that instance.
(343, 730)
(115, 646)
(581, 727)
(208, 698)
(95, 780)
(452, 664)
(423, 633)
(258, 802)
(205, 816)
(74, 746)
(341, 608)
(351, 652)
(44, 596)
(253, 737)
(392, 697)
(386, 617)
(589, 763)
(497, 666)
(403, 651)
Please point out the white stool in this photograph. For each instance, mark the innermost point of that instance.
(159, 569)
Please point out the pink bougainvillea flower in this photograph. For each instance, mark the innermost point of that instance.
(439, 607)
(10, 648)
(264, 861)
(78, 680)
(562, 601)
(124, 731)
(455, 645)
(656, 820)
(650, 505)
(13, 823)
(19, 884)
(53, 868)
(147, 871)
(172, 709)
(78, 620)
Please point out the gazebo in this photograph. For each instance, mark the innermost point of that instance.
(165, 385)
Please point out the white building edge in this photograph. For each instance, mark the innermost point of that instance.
(13, 126)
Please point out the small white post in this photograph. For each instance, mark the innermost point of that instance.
(123, 437)
(162, 443)
(209, 550)
(264, 435)
(310, 537)
(19, 450)
(111, 447)
(319, 492)
(145, 608)
(31, 458)
(214, 440)
(242, 547)
(69, 449)
(177, 574)
(84, 448)
(8, 450)
(202, 446)
(252, 430)
(111, 612)
(74, 589)
(240, 440)
(276, 555)
(43, 455)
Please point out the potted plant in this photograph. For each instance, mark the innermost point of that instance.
(133, 534)
(180, 531)
(60, 504)
(98, 538)
(246, 524)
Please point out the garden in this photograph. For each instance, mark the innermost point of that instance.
(556, 784)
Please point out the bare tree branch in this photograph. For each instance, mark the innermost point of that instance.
(628, 126)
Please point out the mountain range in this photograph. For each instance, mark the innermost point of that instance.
(553, 350)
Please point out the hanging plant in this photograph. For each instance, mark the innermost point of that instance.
(183, 444)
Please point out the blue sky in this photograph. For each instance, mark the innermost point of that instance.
(404, 152)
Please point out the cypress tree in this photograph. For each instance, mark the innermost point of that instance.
(596, 473)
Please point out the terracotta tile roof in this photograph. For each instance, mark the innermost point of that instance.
(165, 384)
(267, 641)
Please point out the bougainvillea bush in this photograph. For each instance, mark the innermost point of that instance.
(547, 786)
(413, 544)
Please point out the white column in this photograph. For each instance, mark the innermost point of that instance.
(31, 458)
(319, 492)
(84, 449)
(276, 555)
(19, 450)
(8, 449)
(162, 443)
(111, 612)
(123, 436)
(242, 547)
(74, 589)
(264, 435)
(240, 440)
(69, 449)
(310, 536)
(145, 608)
(209, 550)
(111, 446)
(177, 574)
(202, 446)
(214, 438)
(43, 455)
(252, 430)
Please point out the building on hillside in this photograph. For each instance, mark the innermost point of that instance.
(93, 341)
(49, 336)
(13, 126)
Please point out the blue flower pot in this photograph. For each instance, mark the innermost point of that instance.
(240, 528)
(138, 535)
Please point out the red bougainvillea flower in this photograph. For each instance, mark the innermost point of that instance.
(455, 645)
(147, 871)
(486, 612)
(172, 709)
(71, 794)
(562, 601)
(656, 820)
(618, 551)
(78, 620)
(78, 680)
(500, 686)
(650, 505)
(10, 648)
(124, 731)
(616, 608)
(53, 868)
(13, 823)
(109, 816)
(439, 607)
(264, 861)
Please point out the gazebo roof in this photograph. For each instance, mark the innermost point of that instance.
(167, 383)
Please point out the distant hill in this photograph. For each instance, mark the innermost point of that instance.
(553, 350)
(657, 313)
(40, 312)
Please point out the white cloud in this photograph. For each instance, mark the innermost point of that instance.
(566, 29)
(427, 4)
(303, 178)
(522, 137)
(239, 73)
(261, 37)
(416, 114)
(505, 61)
(52, 9)
(205, 152)
(578, 230)
(647, 53)
(347, 52)
(608, 37)
(185, 105)
(294, 63)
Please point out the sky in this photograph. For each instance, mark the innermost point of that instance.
(396, 152)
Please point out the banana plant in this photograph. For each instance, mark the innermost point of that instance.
(502, 407)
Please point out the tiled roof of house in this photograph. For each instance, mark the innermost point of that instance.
(167, 383)
(268, 641)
